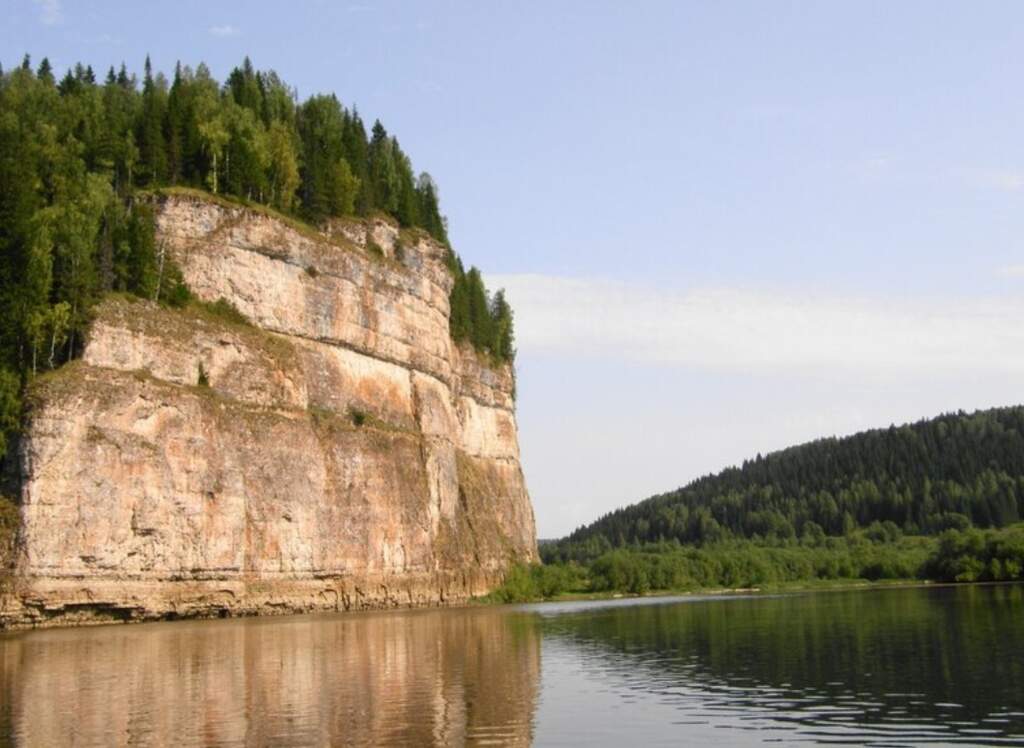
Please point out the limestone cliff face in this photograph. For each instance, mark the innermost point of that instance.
(338, 453)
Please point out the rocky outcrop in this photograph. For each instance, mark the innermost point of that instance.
(339, 452)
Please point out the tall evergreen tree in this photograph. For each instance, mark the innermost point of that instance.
(320, 124)
(503, 344)
(383, 171)
(481, 324)
(356, 148)
(150, 130)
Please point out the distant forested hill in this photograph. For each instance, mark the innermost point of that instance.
(953, 471)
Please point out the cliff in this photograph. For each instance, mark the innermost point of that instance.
(337, 452)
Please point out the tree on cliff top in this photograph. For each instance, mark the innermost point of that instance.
(72, 154)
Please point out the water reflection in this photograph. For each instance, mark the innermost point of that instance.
(434, 677)
(870, 667)
(883, 667)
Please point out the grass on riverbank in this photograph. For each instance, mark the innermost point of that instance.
(664, 568)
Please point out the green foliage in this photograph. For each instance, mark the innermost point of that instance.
(524, 583)
(224, 310)
(975, 555)
(249, 138)
(951, 472)
(358, 416)
(10, 406)
(875, 554)
(742, 564)
(477, 318)
(203, 380)
(10, 521)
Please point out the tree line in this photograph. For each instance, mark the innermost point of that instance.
(250, 138)
(874, 554)
(952, 472)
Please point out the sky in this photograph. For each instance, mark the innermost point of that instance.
(724, 228)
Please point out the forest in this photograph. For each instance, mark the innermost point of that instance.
(951, 472)
(937, 500)
(971, 555)
(79, 157)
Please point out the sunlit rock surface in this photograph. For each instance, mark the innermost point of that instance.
(338, 453)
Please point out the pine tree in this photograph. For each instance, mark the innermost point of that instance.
(459, 319)
(356, 149)
(320, 122)
(481, 333)
(174, 129)
(383, 172)
(408, 204)
(429, 212)
(142, 267)
(503, 345)
(244, 87)
(150, 130)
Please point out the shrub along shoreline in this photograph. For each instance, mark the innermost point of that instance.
(971, 555)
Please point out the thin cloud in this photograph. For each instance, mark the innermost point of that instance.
(872, 167)
(730, 329)
(1006, 180)
(1012, 271)
(225, 30)
(50, 12)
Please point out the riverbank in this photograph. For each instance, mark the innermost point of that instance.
(740, 567)
(859, 559)
(809, 585)
(812, 585)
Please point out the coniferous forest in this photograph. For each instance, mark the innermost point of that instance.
(951, 472)
(940, 499)
(78, 153)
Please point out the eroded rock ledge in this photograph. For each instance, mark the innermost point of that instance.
(339, 453)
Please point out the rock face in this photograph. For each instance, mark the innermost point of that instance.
(339, 452)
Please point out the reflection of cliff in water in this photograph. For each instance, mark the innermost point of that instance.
(929, 655)
(431, 677)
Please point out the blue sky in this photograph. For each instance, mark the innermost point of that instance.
(724, 227)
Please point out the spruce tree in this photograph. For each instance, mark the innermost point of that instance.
(503, 345)
(481, 333)
(356, 149)
(45, 72)
(150, 130)
(459, 302)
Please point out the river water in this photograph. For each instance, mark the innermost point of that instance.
(914, 666)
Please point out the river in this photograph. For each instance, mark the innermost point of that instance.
(885, 666)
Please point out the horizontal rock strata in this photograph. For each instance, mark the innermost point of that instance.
(339, 452)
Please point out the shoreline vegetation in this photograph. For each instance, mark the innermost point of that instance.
(828, 585)
(862, 558)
